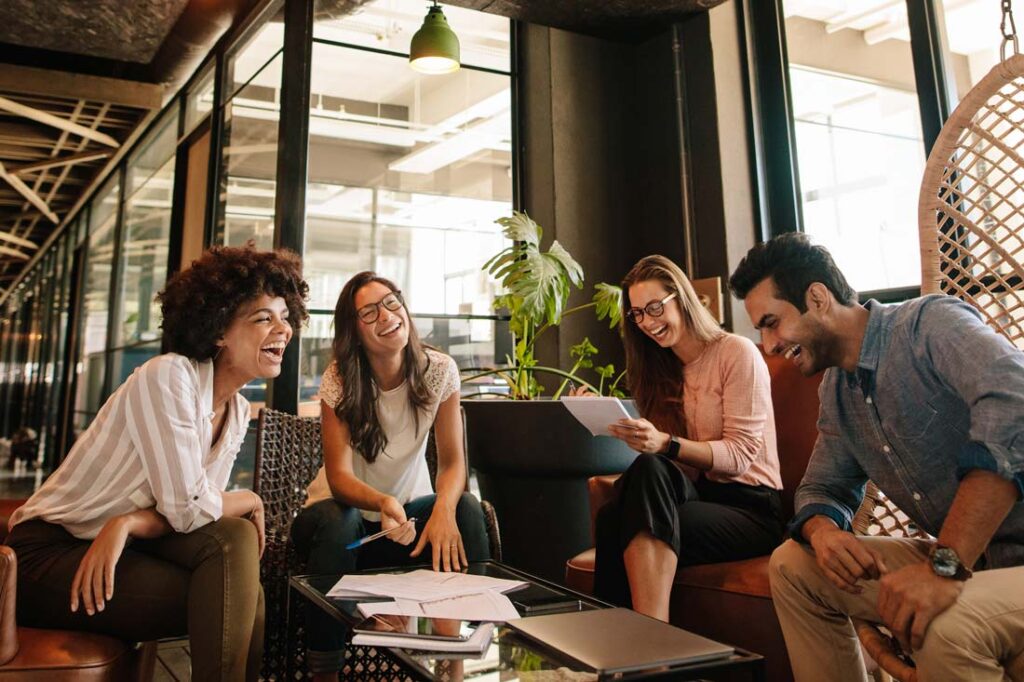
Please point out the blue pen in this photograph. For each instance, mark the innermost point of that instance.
(370, 538)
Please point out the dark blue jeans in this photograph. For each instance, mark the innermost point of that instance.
(320, 533)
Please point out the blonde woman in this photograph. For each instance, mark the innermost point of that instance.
(705, 487)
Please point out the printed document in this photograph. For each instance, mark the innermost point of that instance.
(477, 642)
(489, 605)
(596, 412)
(419, 585)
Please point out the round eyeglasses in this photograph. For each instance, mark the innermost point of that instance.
(654, 309)
(370, 313)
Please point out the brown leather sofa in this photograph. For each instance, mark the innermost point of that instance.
(35, 655)
(731, 602)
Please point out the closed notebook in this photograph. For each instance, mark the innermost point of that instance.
(619, 640)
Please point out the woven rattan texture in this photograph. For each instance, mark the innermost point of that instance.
(971, 208)
(877, 515)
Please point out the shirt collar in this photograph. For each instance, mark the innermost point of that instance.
(870, 347)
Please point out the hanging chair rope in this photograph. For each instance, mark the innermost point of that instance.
(1009, 30)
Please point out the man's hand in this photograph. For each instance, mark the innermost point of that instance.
(442, 532)
(392, 515)
(910, 598)
(94, 580)
(843, 558)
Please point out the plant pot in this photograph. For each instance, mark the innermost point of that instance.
(532, 460)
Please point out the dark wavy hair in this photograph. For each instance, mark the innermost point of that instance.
(199, 303)
(655, 374)
(359, 390)
(794, 263)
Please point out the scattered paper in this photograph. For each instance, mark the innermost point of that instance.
(596, 413)
(477, 642)
(488, 605)
(419, 585)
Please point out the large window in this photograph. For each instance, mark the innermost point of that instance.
(407, 174)
(860, 151)
(249, 147)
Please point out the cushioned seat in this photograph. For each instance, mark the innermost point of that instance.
(731, 601)
(32, 654)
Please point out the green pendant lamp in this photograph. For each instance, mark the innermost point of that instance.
(435, 47)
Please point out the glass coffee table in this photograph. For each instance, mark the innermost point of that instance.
(510, 655)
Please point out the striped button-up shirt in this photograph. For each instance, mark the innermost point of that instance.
(149, 446)
(936, 393)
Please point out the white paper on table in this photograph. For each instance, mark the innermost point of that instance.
(418, 585)
(487, 606)
(477, 642)
(596, 413)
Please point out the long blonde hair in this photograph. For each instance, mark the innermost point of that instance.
(654, 373)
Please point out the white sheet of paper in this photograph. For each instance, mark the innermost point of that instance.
(488, 605)
(418, 585)
(477, 642)
(596, 413)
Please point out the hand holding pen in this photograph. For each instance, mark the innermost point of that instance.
(392, 515)
(410, 523)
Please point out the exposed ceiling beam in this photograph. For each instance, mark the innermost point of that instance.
(57, 122)
(849, 19)
(8, 237)
(60, 161)
(11, 252)
(26, 191)
(50, 83)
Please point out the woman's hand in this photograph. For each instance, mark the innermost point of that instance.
(93, 583)
(640, 435)
(442, 533)
(581, 391)
(259, 519)
(392, 515)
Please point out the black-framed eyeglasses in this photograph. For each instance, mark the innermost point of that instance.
(654, 309)
(370, 312)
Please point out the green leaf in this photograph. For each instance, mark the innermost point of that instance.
(521, 228)
(573, 270)
(583, 349)
(608, 303)
(605, 372)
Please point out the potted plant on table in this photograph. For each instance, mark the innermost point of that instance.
(531, 457)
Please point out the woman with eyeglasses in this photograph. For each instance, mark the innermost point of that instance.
(380, 397)
(705, 487)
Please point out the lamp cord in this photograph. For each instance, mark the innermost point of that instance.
(1008, 29)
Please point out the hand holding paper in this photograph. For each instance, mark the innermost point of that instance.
(596, 413)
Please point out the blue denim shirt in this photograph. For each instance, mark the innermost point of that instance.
(936, 393)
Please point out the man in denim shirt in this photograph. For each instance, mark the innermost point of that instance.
(927, 401)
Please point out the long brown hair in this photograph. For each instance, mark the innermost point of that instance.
(359, 390)
(654, 373)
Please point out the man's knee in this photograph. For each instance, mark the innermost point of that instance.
(789, 560)
(956, 633)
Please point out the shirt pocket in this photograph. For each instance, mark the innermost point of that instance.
(913, 423)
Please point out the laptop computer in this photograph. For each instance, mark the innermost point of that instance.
(610, 641)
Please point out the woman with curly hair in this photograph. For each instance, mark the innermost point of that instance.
(134, 534)
(705, 487)
(379, 399)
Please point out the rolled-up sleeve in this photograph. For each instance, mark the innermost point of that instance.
(989, 377)
(833, 484)
(746, 399)
(162, 418)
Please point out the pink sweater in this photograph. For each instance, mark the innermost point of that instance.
(727, 401)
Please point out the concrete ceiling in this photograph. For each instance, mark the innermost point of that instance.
(109, 29)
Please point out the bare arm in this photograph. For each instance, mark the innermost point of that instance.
(982, 502)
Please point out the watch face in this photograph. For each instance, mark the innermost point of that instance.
(945, 562)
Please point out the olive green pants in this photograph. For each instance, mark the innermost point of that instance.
(205, 584)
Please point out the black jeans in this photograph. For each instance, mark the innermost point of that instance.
(320, 533)
(703, 522)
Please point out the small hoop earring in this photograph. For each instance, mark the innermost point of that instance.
(217, 354)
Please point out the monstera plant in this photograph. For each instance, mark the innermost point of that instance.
(537, 285)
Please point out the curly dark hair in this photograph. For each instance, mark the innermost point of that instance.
(794, 263)
(199, 303)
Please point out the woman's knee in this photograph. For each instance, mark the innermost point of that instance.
(469, 516)
(234, 537)
(329, 522)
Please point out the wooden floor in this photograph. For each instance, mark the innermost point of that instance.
(173, 661)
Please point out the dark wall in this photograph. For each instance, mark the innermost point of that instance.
(621, 159)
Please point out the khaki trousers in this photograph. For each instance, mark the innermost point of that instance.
(968, 642)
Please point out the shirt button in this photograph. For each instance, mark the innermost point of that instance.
(917, 496)
(885, 448)
(195, 498)
(868, 400)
